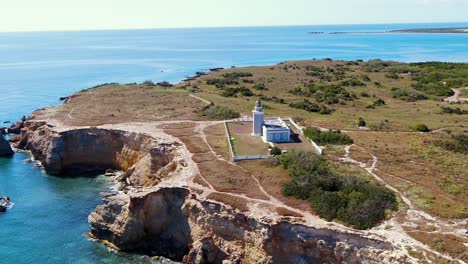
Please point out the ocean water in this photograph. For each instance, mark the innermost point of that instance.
(47, 222)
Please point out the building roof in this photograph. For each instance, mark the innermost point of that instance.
(275, 124)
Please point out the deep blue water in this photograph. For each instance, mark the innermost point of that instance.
(50, 214)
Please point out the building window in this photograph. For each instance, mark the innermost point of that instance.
(285, 136)
(270, 137)
(278, 136)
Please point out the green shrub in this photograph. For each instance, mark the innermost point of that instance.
(331, 137)
(148, 83)
(235, 75)
(408, 95)
(311, 107)
(421, 128)
(164, 84)
(364, 94)
(232, 92)
(457, 143)
(357, 202)
(221, 83)
(329, 94)
(456, 110)
(352, 82)
(260, 86)
(276, 151)
(218, 112)
(379, 102)
(361, 122)
(437, 78)
(392, 75)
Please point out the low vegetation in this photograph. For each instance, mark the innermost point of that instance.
(354, 201)
(232, 92)
(437, 78)
(331, 137)
(329, 94)
(421, 128)
(311, 107)
(456, 110)
(218, 112)
(456, 143)
(409, 95)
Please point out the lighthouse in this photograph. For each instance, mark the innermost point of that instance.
(258, 119)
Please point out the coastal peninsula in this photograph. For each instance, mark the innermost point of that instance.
(383, 128)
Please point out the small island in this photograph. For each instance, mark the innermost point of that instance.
(460, 30)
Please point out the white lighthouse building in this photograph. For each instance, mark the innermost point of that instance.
(270, 129)
(258, 117)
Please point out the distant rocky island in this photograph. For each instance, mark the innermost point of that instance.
(431, 30)
(458, 30)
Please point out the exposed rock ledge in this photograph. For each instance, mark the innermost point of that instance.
(172, 221)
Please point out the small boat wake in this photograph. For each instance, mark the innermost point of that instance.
(5, 203)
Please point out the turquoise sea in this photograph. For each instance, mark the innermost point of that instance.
(49, 217)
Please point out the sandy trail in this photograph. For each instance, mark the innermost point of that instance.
(456, 97)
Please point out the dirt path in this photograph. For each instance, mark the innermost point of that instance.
(199, 98)
(397, 233)
(456, 97)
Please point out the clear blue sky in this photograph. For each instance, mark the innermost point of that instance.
(40, 15)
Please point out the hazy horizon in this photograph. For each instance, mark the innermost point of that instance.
(74, 15)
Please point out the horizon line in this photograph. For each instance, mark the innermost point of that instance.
(214, 27)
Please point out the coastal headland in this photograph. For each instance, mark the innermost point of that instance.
(179, 194)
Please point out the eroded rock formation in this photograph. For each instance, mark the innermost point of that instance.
(91, 151)
(5, 148)
(174, 223)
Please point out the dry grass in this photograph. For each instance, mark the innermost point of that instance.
(202, 157)
(286, 212)
(360, 155)
(216, 137)
(233, 201)
(195, 144)
(433, 178)
(448, 244)
(243, 142)
(117, 103)
(226, 177)
(271, 178)
(199, 180)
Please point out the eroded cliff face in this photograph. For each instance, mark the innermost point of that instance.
(90, 151)
(174, 223)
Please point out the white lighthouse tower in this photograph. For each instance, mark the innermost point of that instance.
(257, 119)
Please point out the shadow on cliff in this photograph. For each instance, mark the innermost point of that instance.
(152, 224)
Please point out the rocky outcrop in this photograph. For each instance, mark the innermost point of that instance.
(5, 148)
(91, 151)
(174, 223)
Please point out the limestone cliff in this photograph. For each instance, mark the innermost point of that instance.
(174, 223)
(90, 151)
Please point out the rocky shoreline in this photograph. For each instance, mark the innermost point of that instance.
(155, 213)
